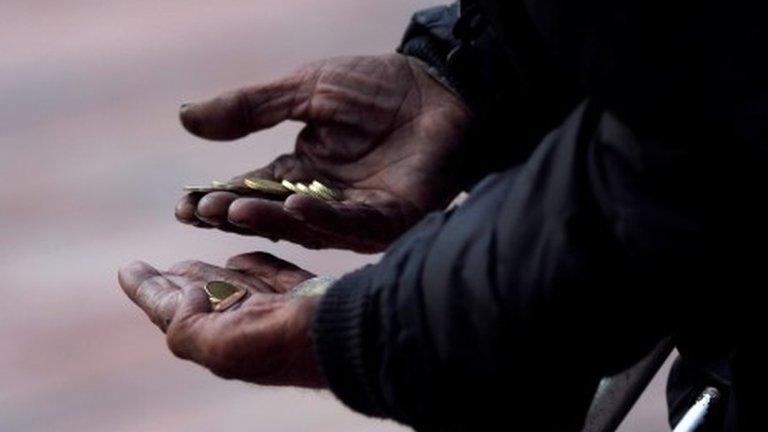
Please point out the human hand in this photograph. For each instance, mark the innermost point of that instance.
(266, 340)
(378, 128)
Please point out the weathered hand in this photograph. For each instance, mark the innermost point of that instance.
(379, 128)
(266, 340)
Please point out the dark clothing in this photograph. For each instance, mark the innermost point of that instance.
(631, 144)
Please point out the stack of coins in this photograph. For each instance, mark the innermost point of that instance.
(270, 189)
(315, 189)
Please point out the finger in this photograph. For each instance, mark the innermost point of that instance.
(205, 272)
(362, 225)
(213, 208)
(157, 296)
(278, 273)
(205, 210)
(249, 109)
(186, 209)
(193, 301)
(185, 335)
(269, 219)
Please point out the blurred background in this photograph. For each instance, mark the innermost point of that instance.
(92, 164)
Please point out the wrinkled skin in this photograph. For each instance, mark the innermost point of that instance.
(378, 128)
(266, 340)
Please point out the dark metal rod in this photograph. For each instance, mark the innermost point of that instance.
(696, 416)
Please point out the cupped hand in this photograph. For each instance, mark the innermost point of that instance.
(266, 340)
(378, 128)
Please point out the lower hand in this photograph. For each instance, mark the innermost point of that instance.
(266, 340)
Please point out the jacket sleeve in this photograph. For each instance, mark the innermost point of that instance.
(508, 309)
(460, 49)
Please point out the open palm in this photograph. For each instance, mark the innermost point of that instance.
(378, 128)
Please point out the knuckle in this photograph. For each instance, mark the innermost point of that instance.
(191, 268)
(147, 292)
(287, 279)
(238, 261)
(243, 105)
(164, 309)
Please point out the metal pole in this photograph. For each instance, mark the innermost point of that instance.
(696, 416)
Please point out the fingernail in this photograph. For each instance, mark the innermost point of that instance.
(237, 221)
(294, 213)
(291, 207)
(190, 123)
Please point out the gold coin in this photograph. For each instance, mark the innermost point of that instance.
(220, 290)
(230, 301)
(315, 194)
(301, 187)
(325, 190)
(267, 186)
(221, 186)
(203, 189)
(306, 190)
(215, 186)
(288, 185)
(223, 295)
(320, 193)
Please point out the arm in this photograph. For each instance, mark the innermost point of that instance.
(505, 310)
(535, 288)
(459, 48)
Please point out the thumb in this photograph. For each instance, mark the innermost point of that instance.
(194, 304)
(238, 113)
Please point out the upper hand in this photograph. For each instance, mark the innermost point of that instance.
(378, 128)
(266, 340)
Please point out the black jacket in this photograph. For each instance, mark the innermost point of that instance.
(629, 141)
